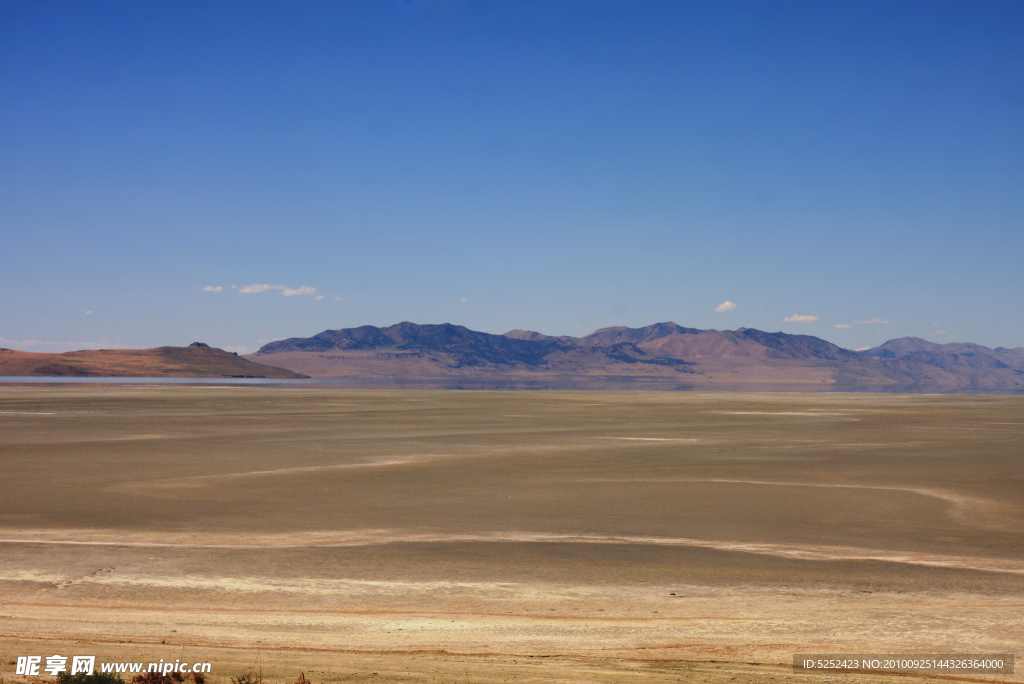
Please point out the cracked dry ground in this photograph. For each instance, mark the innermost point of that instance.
(516, 536)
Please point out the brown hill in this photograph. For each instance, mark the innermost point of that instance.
(195, 361)
(663, 352)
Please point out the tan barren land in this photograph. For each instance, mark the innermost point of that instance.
(439, 536)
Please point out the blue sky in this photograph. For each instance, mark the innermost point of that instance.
(555, 166)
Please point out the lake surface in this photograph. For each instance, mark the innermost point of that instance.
(618, 384)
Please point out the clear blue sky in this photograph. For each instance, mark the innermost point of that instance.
(556, 166)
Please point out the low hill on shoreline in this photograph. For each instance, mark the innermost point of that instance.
(195, 361)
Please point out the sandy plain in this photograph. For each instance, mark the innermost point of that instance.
(508, 536)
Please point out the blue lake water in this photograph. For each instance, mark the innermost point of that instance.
(624, 384)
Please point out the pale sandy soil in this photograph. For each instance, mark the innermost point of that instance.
(519, 536)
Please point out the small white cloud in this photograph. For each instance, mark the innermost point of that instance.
(88, 312)
(725, 306)
(872, 321)
(862, 348)
(256, 288)
(800, 318)
(842, 326)
(319, 296)
(211, 288)
(941, 332)
(303, 290)
(237, 349)
(337, 299)
(464, 299)
(234, 287)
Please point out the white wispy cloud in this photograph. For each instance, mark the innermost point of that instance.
(319, 296)
(842, 326)
(212, 288)
(872, 321)
(725, 306)
(800, 318)
(862, 348)
(940, 332)
(257, 288)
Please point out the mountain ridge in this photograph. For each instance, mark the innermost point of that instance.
(662, 351)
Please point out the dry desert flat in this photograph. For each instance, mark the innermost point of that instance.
(429, 536)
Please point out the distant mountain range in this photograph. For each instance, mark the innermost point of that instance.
(656, 354)
(659, 356)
